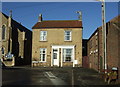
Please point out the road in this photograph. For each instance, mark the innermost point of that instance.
(50, 77)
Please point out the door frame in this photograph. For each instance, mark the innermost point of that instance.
(57, 56)
(60, 63)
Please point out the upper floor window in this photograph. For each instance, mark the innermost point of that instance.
(3, 32)
(43, 54)
(67, 36)
(43, 35)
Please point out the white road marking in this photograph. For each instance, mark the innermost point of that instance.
(55, 80)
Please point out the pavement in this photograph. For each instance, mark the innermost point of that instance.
(50, 77)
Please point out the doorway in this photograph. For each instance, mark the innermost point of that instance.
(55, 57)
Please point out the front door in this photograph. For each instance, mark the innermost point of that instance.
(56, 57)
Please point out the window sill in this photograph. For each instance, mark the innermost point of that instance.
(41, 61)
(67, 40)
(67, 61)
(43, 41)
(3, 40)
(38, 61)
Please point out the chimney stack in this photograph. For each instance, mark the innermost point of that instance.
(10, 15)
(40, 18)
(80, 15)
(10, 18)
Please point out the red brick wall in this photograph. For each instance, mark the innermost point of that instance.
(92, 53)
(112, 46)
(100, 52)
(85, 62)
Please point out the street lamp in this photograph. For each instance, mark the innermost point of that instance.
(104, 34)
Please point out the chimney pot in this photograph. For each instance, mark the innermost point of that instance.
(10, 14)
(40, 18)
(80, 15)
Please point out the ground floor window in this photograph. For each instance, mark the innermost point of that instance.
(67, 54)
(2, 50)
(43, 54)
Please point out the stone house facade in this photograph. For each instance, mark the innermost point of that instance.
(95, 46)
(16, 39)
(57, 43)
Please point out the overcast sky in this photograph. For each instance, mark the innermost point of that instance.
(27, 13)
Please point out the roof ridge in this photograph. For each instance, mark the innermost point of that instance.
(60, 20)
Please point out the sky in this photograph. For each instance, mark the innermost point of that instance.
(27, 13)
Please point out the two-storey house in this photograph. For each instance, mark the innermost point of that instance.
(57, 43)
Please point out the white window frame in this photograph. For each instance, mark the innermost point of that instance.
(43, 37)
(70, 36)
(41, 59)
(64, 55)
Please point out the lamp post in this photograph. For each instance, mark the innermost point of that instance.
(104, 35)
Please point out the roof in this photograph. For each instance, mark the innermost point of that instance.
(114, 20)
(58, 24)
(5, 15)
(16, 24)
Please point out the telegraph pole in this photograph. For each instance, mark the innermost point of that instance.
(1, 45)
(104, 34)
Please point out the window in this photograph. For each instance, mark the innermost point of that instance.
(23, 35)
(67, 36)
(3, 32)
(2, 50)
(43, 35)
(90, 44)
(67, 55)
(42, 54)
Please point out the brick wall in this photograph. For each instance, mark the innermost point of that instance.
(113, 55)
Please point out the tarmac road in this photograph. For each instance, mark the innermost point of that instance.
(50, 77)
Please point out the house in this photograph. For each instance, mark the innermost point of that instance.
(57, 43)
(95, 46)
(16, 42)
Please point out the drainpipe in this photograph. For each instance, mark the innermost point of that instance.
(61, 57)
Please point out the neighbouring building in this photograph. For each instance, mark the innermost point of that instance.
(93, 50)
(16, 40)
(57, 43)
(95, 46)
(85, 60)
